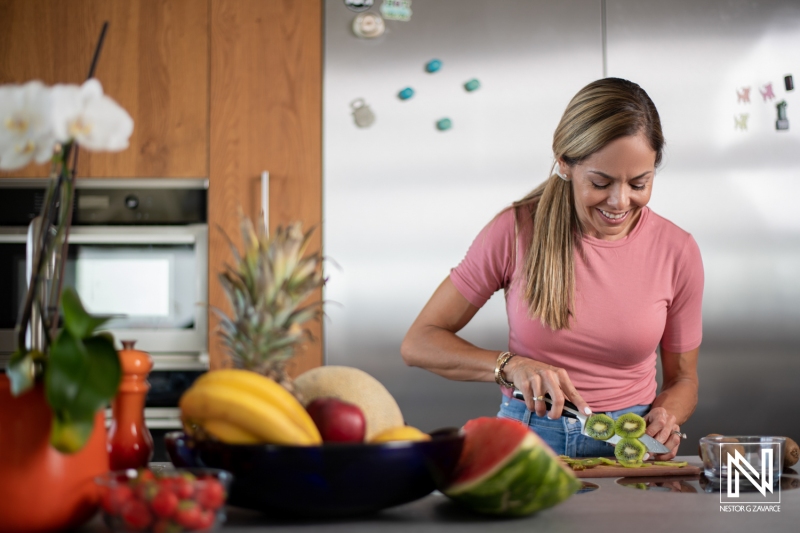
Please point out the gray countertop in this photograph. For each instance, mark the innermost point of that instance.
(610, 508)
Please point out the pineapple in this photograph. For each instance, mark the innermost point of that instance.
(267, 288)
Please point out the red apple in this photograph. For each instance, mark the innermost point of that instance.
(337, 421)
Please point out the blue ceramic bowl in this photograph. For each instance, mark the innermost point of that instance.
(332, 480)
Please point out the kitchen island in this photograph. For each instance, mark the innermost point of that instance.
(669, 505)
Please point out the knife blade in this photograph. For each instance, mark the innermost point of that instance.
(571, 411)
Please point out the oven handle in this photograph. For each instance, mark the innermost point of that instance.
(138, 238)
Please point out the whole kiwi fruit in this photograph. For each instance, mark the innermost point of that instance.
(791, 453)
(630, 425)
(600, 426)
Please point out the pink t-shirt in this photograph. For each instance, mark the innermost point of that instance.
(630, 296)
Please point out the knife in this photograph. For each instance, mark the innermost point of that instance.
(571, 411)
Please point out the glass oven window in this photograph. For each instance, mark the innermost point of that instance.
(143, 286)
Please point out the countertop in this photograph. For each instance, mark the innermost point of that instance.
(611, 508)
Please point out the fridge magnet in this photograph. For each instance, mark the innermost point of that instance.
(433, 65)
(406, 93)
(362, 114)
(444, 124)
(740, 121)
(767, 92)
(788, 82)
(743, 96)
(358, 5)
(396, 10)
(782, 123)
(472, 85)
(368, 25)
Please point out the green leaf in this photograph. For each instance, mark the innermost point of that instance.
(21, 371)
(66, 369)
(100, 383)
(69, 435)
(79, 322)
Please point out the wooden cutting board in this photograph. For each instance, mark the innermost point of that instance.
(648, 471)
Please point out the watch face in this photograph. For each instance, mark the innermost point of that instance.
(358, 5)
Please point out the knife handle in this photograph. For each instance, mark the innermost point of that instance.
(568, 404)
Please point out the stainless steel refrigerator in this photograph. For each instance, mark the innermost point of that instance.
(403, 199)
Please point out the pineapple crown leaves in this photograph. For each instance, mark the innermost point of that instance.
(270, 279)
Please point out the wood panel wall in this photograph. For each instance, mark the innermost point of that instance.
(154, 63)
(266, 114)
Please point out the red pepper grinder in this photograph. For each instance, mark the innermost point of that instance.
(130, 444)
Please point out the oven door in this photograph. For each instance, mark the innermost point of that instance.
(153, 280)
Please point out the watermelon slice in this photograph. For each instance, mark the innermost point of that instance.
(506, 469)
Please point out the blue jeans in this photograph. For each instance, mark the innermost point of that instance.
(563, 434)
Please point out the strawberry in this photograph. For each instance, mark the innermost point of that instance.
(145, 474)
(188, 514)
(211, 494)
(115, 497)
(206, 520)
(184, 488)
(136, 515)
(164, 503)
(166, 526)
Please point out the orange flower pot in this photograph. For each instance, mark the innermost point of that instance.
(42, 489)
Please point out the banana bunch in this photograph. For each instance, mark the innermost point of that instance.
(241, 407)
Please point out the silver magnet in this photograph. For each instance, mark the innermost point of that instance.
(362, 114)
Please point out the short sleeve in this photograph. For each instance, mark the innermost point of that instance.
(488, 264)
(684, 326)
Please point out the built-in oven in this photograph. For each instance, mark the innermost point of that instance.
(139, 252)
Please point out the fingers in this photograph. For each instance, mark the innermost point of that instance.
(573, 395)
(540, 407)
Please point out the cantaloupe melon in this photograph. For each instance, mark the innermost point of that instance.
(354, 386)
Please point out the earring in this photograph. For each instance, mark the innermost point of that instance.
(560, 175)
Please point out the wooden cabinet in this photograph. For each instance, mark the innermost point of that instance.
(216, 88)
(154, 63)
(266, 114)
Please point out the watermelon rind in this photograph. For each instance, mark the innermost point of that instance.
(531, 479)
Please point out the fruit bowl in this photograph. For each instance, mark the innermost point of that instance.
(164, 499)
(331, 480)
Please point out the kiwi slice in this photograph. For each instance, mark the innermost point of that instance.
(607, 461)
(629, 451)
(679, 464)
(630, 425)
(591, 462)
(600, 426)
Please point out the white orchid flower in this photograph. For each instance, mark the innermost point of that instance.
(25, 129)
(95, 121)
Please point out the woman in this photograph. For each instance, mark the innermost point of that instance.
(594, 283)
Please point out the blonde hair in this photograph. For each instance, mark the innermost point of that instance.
(599, 113)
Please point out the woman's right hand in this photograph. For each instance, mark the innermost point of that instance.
(535, 379)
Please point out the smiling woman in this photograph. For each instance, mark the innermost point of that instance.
(594, 283)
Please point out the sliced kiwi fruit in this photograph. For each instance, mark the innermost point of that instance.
(594, 461)
(630, 425)
(629, 451)
(600, 426)
(679, 464)
(607, 461)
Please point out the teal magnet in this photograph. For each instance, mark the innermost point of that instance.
(433, 65)
(406, 93)
(472, 85)
(444, 124)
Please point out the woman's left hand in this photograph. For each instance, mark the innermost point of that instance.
(660, 426)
